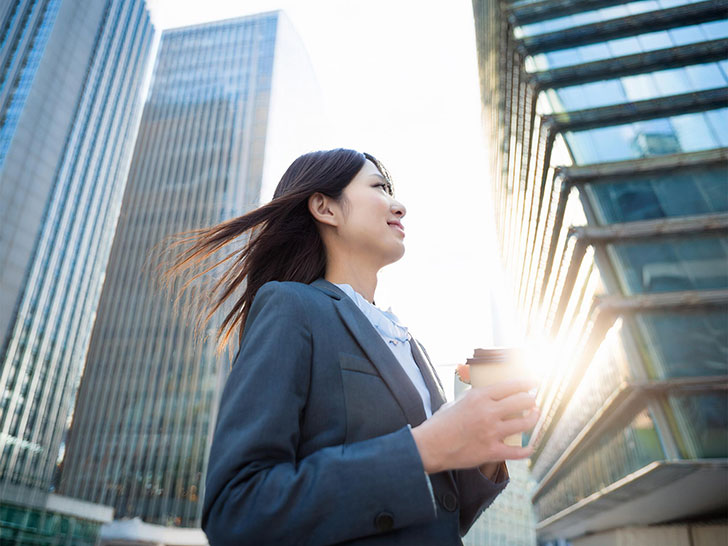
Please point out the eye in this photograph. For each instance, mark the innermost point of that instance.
(385, 186)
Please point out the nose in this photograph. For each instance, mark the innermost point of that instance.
(398, 208)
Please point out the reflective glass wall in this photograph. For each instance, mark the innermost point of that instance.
(607, 125)
(67, 135)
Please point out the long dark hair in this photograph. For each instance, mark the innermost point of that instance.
(278, 241)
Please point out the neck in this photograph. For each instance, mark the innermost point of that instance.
(360, 278)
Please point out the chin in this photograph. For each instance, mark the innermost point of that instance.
(396, 255)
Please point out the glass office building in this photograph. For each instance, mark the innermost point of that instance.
(70, 104)
(221, 94)
(509, 521)
(608, 138)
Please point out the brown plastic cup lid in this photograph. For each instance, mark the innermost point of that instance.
(495, 355)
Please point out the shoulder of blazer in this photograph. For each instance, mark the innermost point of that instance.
(315, 289)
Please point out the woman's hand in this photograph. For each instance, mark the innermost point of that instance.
(469, 432)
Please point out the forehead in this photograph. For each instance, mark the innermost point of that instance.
(369, 169)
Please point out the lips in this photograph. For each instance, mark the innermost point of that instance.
(397, 225)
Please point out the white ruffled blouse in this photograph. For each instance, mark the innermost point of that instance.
(397, 337)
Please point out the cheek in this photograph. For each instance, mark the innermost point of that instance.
(368, 216)
(372, 211)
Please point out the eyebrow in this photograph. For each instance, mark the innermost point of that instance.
(379, 176)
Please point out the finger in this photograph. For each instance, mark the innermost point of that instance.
(511, 453)
(463, 371)
(518, 424)
(516, 403)
(498, 391)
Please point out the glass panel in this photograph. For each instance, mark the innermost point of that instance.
(655, 40)
(593, 16)
(672, 265)
(689, 132)
(671, 82)
(611, 143)
(614, 12)
(582, 147)
(713, 185)
(642, 7)
(702, 422)
(724, 68)
(639, 87)
(563, 57)
(687, 35)
(584, 18)
(594, 52)
(572, 98)
(682, 193)
(718, 122)
(693, 132)
(591, 95)
(705, 76)
(716, 29)
(654, 137)
(685, 344)
(624, 46)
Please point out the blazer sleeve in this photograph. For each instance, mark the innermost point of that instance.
(257, 490)
(477, 492)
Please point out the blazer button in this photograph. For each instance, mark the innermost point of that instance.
(449, 502)
(384, 521)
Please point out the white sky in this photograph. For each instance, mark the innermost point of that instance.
(399, 80)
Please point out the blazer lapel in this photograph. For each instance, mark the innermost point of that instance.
(378, 353)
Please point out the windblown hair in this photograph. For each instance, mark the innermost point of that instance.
(278, 241)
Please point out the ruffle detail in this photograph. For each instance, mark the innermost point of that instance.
(385, 322)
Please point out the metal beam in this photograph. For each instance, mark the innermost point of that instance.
(606, 172)
(689, 14)
(681, 226)
(618, 114)
(688, 300)
(525, 12)
(572, 273)
(658, 492)
(703, 52)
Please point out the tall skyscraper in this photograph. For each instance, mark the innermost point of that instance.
(222, 95)
(70, 104)
(608, 133)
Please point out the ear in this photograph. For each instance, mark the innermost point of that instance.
(323, 209)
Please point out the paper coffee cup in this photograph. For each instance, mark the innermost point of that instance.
(494, 365)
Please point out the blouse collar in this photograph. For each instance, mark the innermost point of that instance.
(385, 322)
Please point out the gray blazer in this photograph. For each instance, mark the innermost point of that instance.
(313, 442)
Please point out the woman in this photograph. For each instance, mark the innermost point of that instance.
(332, 426)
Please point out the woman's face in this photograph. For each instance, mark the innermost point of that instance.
(372, 219)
